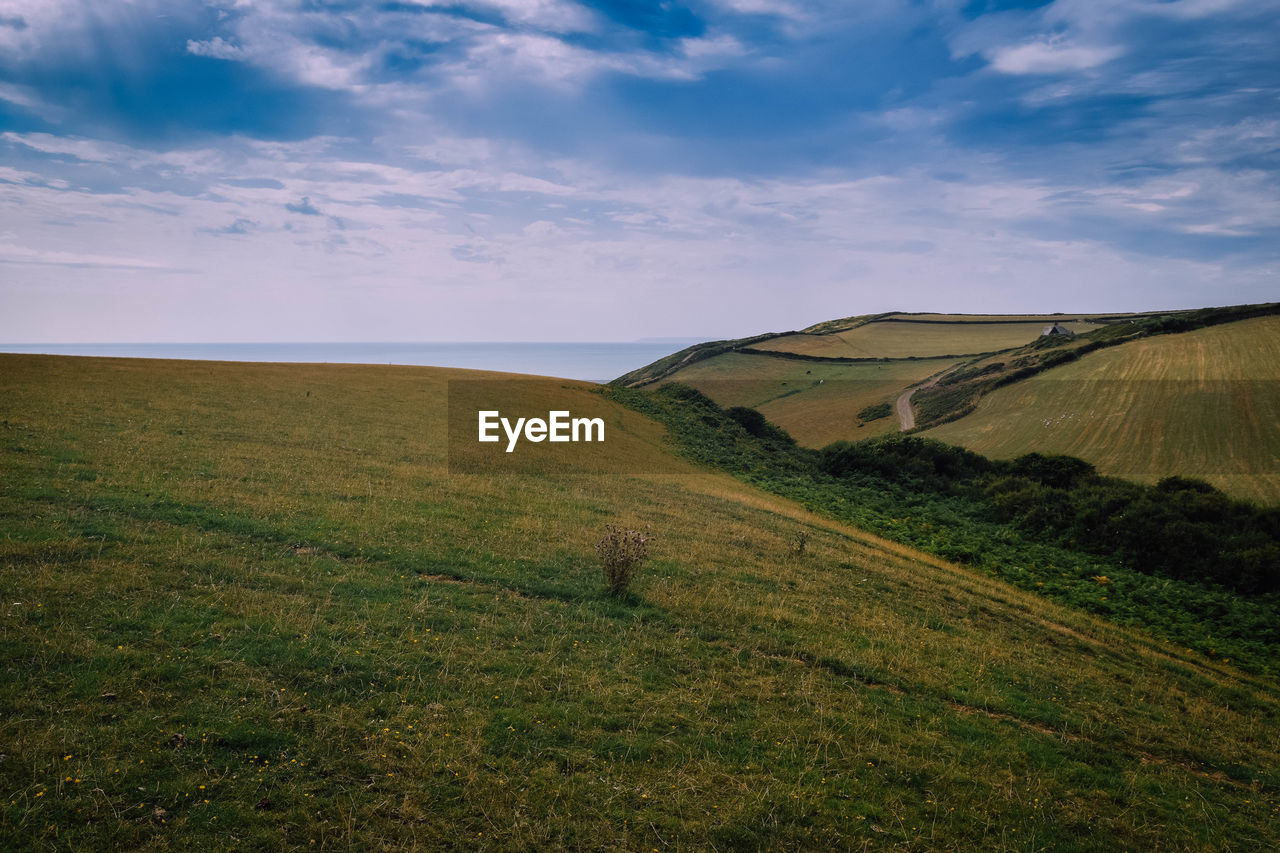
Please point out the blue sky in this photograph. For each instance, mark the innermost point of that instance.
(236, 170)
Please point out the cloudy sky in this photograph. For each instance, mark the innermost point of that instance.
(328, 170)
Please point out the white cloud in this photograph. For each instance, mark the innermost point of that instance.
(558, 247)
(328, 69)
(1045, 57)
(1253, 136)
(273, 35)
(1080, 35)
(472, 237)
(215, 48)
(19, 176)
(77, 27)
(503, 56)
(1218, 229)
(88, 150)
(558, 16)
(23, 96)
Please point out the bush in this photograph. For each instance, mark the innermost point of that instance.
(1060, 472)
(875, 413)
(905, 459)
(621, 553)
(755, 424)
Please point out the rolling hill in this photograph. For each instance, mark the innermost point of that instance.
(252, 606)
(816, 382)
(1204, 404)
(1198, 403)
(922, 336)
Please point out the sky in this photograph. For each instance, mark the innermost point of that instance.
(550, 170)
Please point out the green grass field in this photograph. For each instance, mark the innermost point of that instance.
(1202, 404)
(248, 607)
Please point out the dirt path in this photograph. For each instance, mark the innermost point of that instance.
(907, 415)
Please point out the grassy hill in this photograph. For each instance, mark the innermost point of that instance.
(815, 382)
(1210, 412)
(877, 337)
(249, 607)
(1204, 404)
(923, 336)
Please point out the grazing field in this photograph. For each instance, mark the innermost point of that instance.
(923, 337)
(248, 607)
(1202, 404)
(816, 402)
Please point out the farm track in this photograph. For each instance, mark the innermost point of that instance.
(907, 415)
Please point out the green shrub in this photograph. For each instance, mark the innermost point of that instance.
(1058, 471)
(756, 424)
(875, 413)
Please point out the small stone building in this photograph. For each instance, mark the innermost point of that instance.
(1056, 329)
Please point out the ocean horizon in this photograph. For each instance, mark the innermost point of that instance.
(590, 361)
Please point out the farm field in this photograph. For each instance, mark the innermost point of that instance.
(923, 337)
(249, 607)
(1044, 319)
(815, 402)
(818, 402)
(1202, 404)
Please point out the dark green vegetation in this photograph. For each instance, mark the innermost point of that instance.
(875, 412)
(1180, 558)
(1179, 528)
(246, 607)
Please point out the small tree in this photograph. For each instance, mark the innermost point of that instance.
(621, 553)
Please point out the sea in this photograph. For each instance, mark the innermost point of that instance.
(594, 362)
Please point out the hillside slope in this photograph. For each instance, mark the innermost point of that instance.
(865, 376)
(925, 336)
(824, 383)
(248, 606)
(816, 402)
(1202, 404)
(893, 335)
